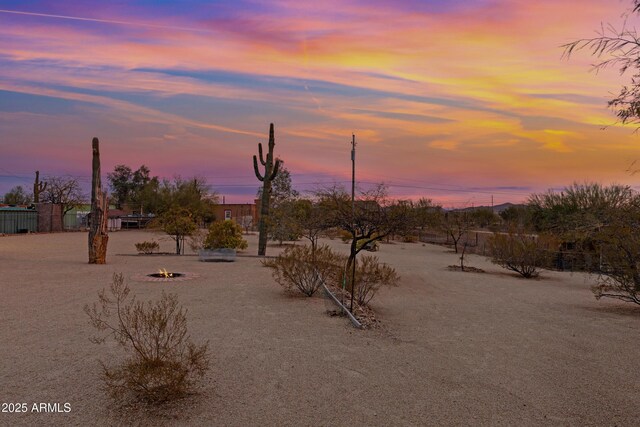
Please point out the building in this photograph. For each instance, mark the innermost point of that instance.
(18, 219)
(244, 214)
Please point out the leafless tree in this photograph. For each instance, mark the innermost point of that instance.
(65, 191)
(456, 224)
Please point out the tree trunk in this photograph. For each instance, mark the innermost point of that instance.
(98, 237)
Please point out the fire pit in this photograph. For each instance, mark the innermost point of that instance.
(163, 275)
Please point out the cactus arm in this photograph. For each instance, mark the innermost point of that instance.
(276, 167)
(264, 163)
(255, 168)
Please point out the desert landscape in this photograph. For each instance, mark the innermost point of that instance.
(450, 347)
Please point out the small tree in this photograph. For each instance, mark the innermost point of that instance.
(225, 234)
(313, 220)
(427, 214)
(456, 224)
(17, 196)
(484, 217)
(65, 191)
(523, 253)
(372, 217)
(178, 223)
(162, 363)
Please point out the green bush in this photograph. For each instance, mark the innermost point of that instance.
(225, 234)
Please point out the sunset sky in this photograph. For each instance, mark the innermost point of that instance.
(452, 100)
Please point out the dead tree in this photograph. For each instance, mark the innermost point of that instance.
(98, 237)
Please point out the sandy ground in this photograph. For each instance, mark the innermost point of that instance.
(454, 348)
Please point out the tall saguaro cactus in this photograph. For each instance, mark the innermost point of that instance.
(98, 236)
(270, 171)
(38, 187)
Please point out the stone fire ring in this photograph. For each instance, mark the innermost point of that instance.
(184, 276)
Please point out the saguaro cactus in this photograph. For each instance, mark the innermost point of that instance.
(38, 187)
(98, 236)
(270, 172)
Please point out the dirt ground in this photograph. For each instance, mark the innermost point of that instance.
(453, 348)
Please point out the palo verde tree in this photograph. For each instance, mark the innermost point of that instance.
(372, 217)
(178, 223)
(617, 47)
(577, 210)
(603, 222)
(271, 167)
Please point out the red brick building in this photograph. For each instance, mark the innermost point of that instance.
(244, 214)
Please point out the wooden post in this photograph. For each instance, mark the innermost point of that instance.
(98, 237)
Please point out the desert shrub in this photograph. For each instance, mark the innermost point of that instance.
(225, 234)
(409, 238)
(147, 247)
(162, 363)
(371, 275)
(618, 244)
(299, 267)
(523, 253)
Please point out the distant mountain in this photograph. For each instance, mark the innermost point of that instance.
(497, 208)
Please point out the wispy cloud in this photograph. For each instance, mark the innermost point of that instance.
(460, 90)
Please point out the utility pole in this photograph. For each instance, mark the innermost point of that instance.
(353, 214)
(353, 175)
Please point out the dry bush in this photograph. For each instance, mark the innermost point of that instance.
(299, 267)
(523, 253)
(147, 247)
(618, 244)
(371, 275)
(162, 363)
